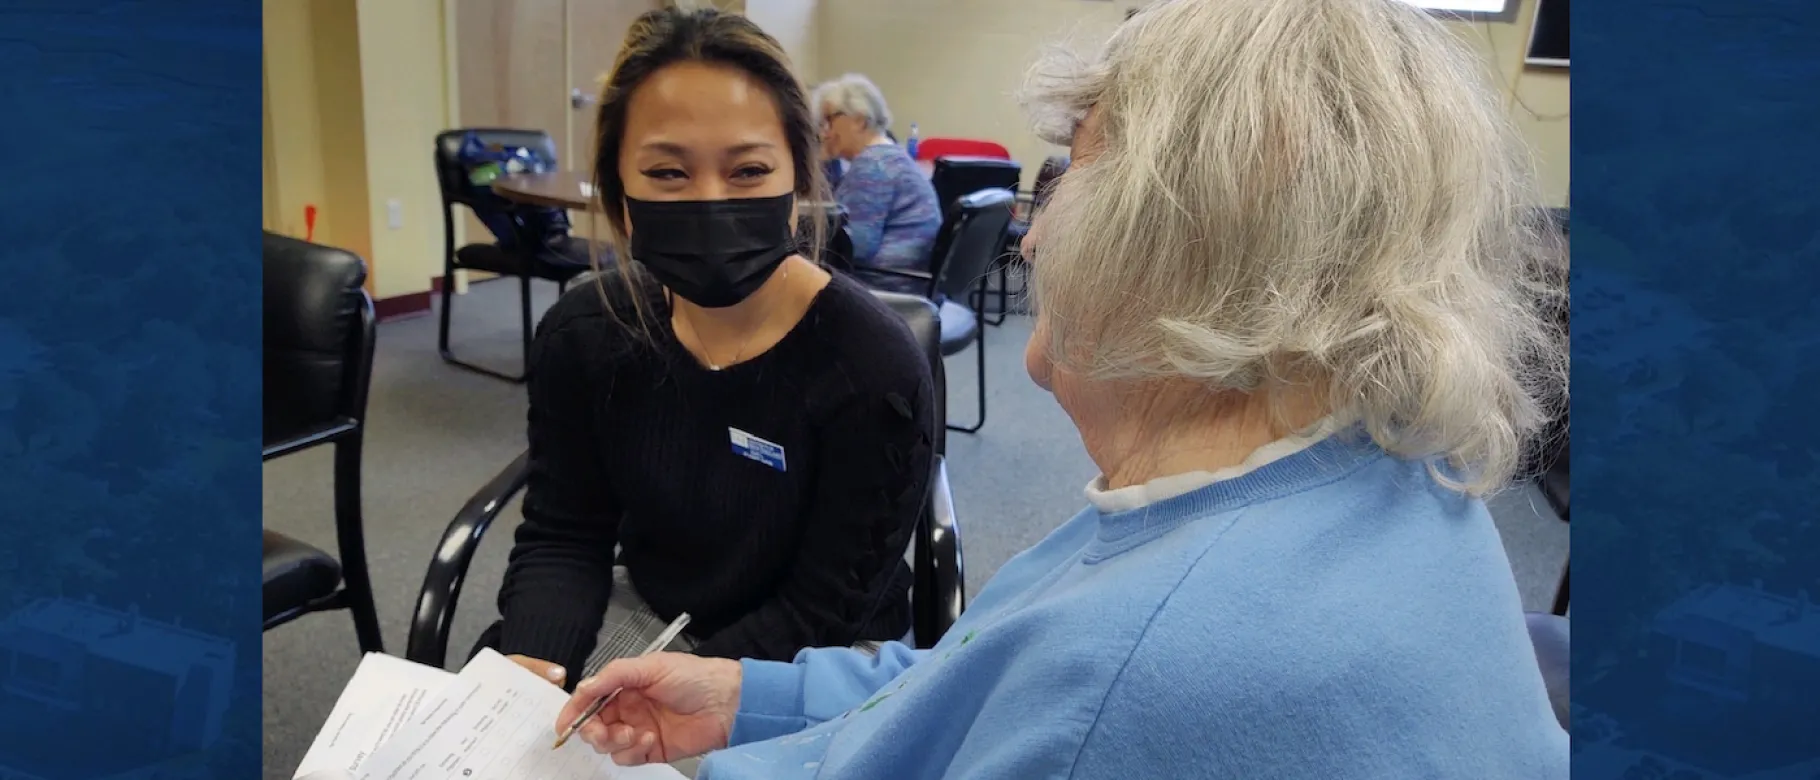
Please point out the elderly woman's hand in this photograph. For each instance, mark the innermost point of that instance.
(673, 706)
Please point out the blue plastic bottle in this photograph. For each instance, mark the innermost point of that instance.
(910, 143)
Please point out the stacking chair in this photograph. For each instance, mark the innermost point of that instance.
(955, 177)
(938, 590)
(937, 148)
(526, 265)
(972, 236)
(1555, 486)
(319, 337)
(837, 243)
(958, 176)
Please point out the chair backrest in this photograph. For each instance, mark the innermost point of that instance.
(451, 177)
(925, 323)
(972, 237)
(936, 148)
(958, 176)
(319, 336)
(1053, 168)
(837, 243)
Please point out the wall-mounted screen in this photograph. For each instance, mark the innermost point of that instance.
(1491, 7)
(1548, 36)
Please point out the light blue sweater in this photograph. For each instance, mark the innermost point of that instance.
(1334, 615)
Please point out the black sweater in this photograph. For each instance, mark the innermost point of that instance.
(631, 445)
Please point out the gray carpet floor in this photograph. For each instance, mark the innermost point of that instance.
(436, 433)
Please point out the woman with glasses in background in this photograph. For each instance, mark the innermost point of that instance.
(892, 213)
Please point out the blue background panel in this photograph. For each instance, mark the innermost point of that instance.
(129, 389)
(1696, 425)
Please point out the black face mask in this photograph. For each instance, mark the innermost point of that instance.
(713, 253)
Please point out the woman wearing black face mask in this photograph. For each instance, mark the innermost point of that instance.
(752, 433)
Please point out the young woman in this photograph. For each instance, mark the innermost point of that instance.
(753, 435)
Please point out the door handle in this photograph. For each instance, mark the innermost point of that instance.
(580, 99)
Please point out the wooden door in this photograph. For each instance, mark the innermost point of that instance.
(596, 29)
(511, 71)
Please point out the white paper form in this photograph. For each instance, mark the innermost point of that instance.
(382, 696)
(496, 721)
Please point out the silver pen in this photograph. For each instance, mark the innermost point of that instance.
(663, 640)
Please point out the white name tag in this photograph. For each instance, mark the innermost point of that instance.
(751, 447)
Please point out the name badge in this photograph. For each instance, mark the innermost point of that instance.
(751, 447)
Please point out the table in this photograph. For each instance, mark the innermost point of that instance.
(562, 189)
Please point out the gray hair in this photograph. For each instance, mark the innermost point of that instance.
(853, 95)
(1322, 193)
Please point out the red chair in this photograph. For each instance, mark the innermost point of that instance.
(933, 148)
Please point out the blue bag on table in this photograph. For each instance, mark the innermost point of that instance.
(515, 226)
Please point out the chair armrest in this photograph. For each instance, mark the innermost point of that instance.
(429, 640)
(1556, 484)
(941, 584)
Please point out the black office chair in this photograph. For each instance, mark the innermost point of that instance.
(955, 177)
(837, 243)
(1556, 488)
(938, 589)
(971, 237)
(319, 338)
(560, 264)
(938, 593)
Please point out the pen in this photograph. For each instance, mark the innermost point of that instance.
(663, 640)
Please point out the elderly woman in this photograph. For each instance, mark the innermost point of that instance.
(1291, 294)
(892, 213)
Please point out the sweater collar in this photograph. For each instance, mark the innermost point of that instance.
(1314, 464)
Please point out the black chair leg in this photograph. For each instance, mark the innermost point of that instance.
(524, 302)
(979, 346)
(448, 299)
(357, 586)
(448, 283)
(1561, 595)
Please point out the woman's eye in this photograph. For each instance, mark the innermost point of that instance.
(665, 174)
(751, 172)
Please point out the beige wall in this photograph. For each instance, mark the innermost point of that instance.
(407, 104)
(954, 66)
(354, 94)
(794, 24)
(296, 146)
(1537, 98)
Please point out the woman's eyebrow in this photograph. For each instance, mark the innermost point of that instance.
(678, 150)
